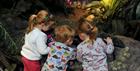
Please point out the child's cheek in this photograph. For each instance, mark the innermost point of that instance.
(45, 28)
(70, 42)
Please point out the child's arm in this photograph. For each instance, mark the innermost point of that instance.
(79, 54)
(73, 53)
(108, 48)
(41, 45)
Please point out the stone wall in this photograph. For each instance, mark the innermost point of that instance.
(128, 58)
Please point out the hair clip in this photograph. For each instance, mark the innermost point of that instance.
(46, 18)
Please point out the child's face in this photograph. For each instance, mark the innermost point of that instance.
(69, 41)
(47, 25)
(83, 36)
(45, 28)
(86, 27)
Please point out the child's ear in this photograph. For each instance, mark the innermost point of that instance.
(69, 41)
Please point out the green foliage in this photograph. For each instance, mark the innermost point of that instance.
(11, 45)
(94, 4)
(105, 12)
(9, 50)
(111, 6)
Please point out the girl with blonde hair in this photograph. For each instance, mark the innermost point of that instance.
(60, 52)
(35, 41)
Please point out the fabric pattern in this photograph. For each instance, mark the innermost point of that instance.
(57, 57)
(50, 38)
(93, 55)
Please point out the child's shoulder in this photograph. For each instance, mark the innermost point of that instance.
(37, 32)
(60, 45)
(98, 40)
(82, 44)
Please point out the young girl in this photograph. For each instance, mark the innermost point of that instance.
(60, 52)
(91, 52)
(35, 41)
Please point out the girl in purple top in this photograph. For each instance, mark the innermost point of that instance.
(92, 52)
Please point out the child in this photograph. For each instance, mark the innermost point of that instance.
(35, 41)
(60, 52)
(49, 32)
(91, 52)
(50, 36)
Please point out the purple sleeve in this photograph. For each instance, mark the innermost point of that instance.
(108, 48)
(79, 53)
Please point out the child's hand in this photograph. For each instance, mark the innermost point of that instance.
(108, 40)
(71, 63)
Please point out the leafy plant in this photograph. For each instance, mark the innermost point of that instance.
(11, 45)
(9, 52)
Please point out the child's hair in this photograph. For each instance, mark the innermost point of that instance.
(63, 33)
(30, 23)
(41, 17)
(85, 27)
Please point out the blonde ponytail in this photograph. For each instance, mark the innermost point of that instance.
(31, 23)
(36, 19)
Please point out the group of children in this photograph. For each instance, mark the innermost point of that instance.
(91, 52)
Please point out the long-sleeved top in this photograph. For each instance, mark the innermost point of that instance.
(35, 45)
(58, 56)
(93, 56)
